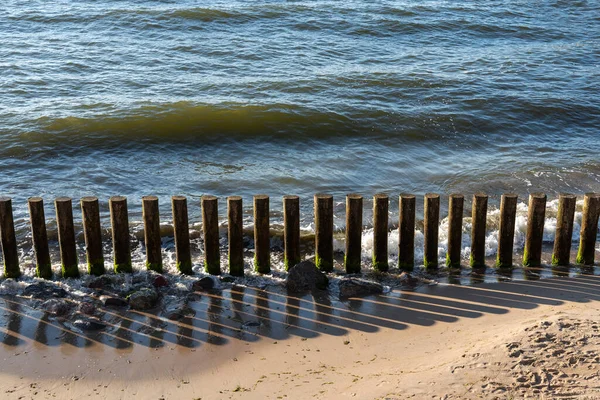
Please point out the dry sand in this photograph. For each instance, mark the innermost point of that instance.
(514, 340)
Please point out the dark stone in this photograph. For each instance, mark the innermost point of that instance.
(58, 307)
(355, 287)
(407, 279)
(227, 279)
(251, 324)
(87, 308)
(100, 282)
(205, 283)
(43, 290)
(89, 324)
(176, 308)
(160, 281)
(143, 299)
(111, 301)
(306, 276)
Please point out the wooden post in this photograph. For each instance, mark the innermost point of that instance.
(431, 230)
(9, 241)
(90, 212)
(262, 245)
(210, 226)
(151, 218)
(66, 237)
(354, 210)
(406, 232)
(455, 217)
(120, 233)
(506, 234)
(324, 232)
(235, 234)
(181, 231)
(380, 232)
(291, 231)
(39, 236)
(478, 226)
(589, 229)
(532, 255)
(564, 230)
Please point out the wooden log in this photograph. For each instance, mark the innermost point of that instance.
(39, 236)
(8, 238)
(564, 230)
(406, 232)
(92, 232)
(506, 234)
(152, 240)
(66, 237)
(324, 232)
(354, 211)
(380, 232)
(120, 234)
(210, 227)
(431, 230)
(262, 245)
(532, 255)
(235, 234)
(181, 230)
(455, 217)
(291, 231)
(478, 227)
(589, 229)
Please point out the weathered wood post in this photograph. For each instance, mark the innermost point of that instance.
(406, 232)
(120, 234)
(506, 233)
(39, 236)
(354, 211)
(455, 218)
(235, 234)
(380, 232)
(291, 231)
(181, 230)
(92, 232)
(324, 232)
(532, 254)
(564, 230)
(478, 226)
(210, 226)
(262, 245)
(589, 229)
(9, 241)
(152, 240)
(431, 230)
(66, 237)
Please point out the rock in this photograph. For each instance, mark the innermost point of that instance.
(306, 276)
(354, 287)
(407, 279)
(176, 308)
(58, 307)
(43, 290)
(89, 324)
(100, 282)
(205, 283)
(111, 301)
(87, 308)
(160, 281)
(143, 299)
(227, 279)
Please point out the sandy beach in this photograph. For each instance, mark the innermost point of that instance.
(521, 339)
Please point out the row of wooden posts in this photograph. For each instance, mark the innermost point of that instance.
(323, 214)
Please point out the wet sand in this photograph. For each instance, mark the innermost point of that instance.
(520, 339)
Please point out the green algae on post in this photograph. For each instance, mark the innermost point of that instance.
(506, 233)
(478, 226)
(120, 234)
(152, 240)
(262, 245)
(39, 237)
(8, 238)
(589, 229)
(291, 231)
(564, 230)
(406, 232)
(90, 215)
(66, 237)
(210, 227)
(181, 231)
(532, 254)
(455, 217)
(354, 210)
(431, 230)
(323, 208)
(380, 232)
(235, 235)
